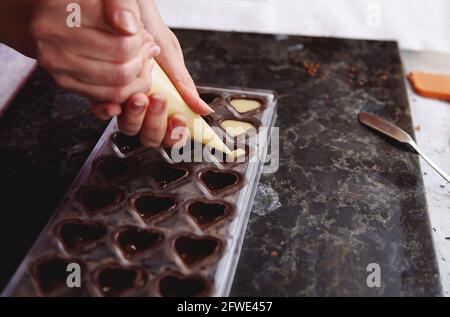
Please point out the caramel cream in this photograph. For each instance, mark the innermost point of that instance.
(245, 105)
(235, 128)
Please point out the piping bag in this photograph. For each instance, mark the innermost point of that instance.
(199, 129)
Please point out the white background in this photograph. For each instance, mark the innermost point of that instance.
(416, 24)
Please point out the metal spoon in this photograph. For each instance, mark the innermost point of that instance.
(398, 134)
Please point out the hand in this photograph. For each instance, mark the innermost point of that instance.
(106, 59)
(148, 116)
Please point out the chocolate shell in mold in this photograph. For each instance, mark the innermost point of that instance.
(136, 243)
(207, 213)
(78, 236)
(209, 97)
(197, 251)
(113, 279)
(50, 273)
(176, 284)
(218, 181)
(113, 169)
(126, 144)
(167, 175)
(151, 206)
(98, 199)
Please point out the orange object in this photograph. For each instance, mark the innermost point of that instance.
(431, 85)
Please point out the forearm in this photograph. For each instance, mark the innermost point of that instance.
(15, 17)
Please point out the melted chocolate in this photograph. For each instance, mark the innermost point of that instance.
(217, 180)
(150, 205)
(134, 241)
(208, 97)
(77, 235)
(206, 213)
(177, 285)
(97, 198)
(51, 273)
(113, 169)
(166, 175)
(125, 143)
(115, 280)
(197, 250)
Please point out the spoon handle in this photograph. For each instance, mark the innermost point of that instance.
(430, 162)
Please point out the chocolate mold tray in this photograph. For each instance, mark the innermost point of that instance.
(136, 223)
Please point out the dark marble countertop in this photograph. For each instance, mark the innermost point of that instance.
(342, 198)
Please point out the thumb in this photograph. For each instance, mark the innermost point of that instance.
(122, 15)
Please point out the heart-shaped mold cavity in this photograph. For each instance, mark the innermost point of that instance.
(175, 284)
(116, 280)
(206, 213)
(239, 128)
(125, 143)
(246, 105)
(96, 199)
(165, 175)
(77, 235)
(114, 169)
(208, 97)
(150, 206)
(217, 181)
(135, 242)
(196, 250)
(50, 273)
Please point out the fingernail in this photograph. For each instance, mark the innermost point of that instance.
(137, 107)
(206, 106)
(157, 104)
(113, 113)
(154, 50)
(126, 19)
(210, 109)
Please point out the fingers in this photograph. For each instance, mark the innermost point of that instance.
(130, 122)
(98, 45)
(171, 61)
(122, 15)
(105, 111)
(192, 98)
(155, 122)
(148, 117)
(141, 84)
(177, 131)
(105, 73)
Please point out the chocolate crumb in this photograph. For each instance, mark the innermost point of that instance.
(311, 68)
